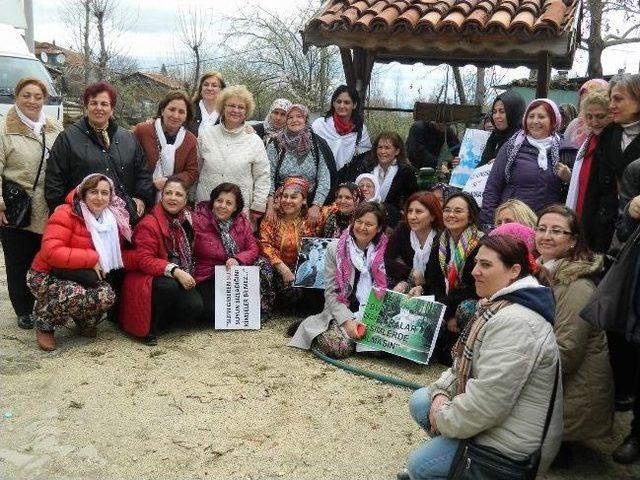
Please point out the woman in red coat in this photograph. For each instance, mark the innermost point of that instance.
(224, 236)
(162, 286)
(80, 245)
(170, 148)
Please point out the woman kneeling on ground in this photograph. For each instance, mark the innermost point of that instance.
(338, 216)
(162, 287)
(80, 245)
(499, 389)
(351, 269)
(223, 236)
(587, 378)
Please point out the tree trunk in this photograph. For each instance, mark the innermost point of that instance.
(85, 42)
(459, 85)
(595, 41)
(196, 72)
(480, 86)
(103, 58)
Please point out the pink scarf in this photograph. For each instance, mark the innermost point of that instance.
(345, 267)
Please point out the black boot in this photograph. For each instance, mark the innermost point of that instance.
(628, 451)
(25, 322)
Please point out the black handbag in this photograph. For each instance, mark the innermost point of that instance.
(87, 277)
(608, 307)
(17, 201)
(478, 462)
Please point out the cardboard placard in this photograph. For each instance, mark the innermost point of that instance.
(471, 150)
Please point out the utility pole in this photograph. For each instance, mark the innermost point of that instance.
(28, 33)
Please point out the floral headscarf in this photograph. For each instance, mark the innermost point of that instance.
(298, 143)
(278, 104)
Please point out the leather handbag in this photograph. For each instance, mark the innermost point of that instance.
(478, 462)
(16, 199)
(608, 307)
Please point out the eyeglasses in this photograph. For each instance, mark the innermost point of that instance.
(232, 106)
(554, 232)
(455, 211)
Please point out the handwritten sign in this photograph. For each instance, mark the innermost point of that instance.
(402, 325)
(237, 298)
(471, 150)
(477, 182)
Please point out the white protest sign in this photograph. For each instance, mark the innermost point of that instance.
(470, 154)
(477, 181)
(237, 298)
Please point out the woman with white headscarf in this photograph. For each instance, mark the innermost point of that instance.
(275, 120)
(370, 187)
(170, 148)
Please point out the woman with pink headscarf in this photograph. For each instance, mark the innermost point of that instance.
(528, 167)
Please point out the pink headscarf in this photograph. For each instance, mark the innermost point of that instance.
(519, 231)
(116, 205)
(550, 106)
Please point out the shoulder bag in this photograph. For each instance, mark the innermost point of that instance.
(478, 462)
(16, 199)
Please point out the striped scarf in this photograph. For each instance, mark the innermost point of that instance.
(466, 244)
(462, 351)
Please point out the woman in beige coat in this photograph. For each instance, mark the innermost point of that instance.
(26, 136)
(586, 372)
(498, 392)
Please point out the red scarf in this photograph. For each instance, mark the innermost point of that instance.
(585, 173)
(343, 128)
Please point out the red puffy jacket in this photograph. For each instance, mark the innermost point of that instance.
(66, 242)
(209, 251)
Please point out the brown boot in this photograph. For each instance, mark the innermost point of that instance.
(46, 340)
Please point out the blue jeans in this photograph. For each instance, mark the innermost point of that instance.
(432, 460)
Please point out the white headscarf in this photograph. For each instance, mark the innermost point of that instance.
(206, 119)
(36, 127)
(376, 185)
(166, 164)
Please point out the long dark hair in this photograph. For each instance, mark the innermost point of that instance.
(513, 251)
(472, 205)
(397, 143)
(355, 98)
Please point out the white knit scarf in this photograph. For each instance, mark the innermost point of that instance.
(421, 253)
(385, 179)
(542, 145)
(104, 234)
(362, 262)
(574, 183)
(206, 119)
(36, 127)
(166, 164)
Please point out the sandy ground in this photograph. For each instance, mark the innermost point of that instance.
(207, 404)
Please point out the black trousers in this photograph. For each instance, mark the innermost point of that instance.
(19, 247)
(206, 290)
(170, 303)
(625, 363)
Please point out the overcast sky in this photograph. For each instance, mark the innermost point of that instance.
(150, 38)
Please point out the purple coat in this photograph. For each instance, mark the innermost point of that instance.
(209, 251)
(529, 183)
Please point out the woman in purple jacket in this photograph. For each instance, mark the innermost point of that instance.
(528, 166)
(223, 236)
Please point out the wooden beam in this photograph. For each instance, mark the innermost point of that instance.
(447, 113)
(363, 61)
(544, 75)
(348, 67)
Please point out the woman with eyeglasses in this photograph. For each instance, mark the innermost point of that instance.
(587, 380)
(229, 152)
(448, 271)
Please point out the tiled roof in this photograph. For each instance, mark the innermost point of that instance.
(538, 17)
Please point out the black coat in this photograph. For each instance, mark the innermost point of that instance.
(425, 141)
(601, 204)
(197, 118)
(77, 153)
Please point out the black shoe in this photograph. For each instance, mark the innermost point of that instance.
(291, 331)
(403, 475)
(25, 322)
(151, 340)
(628, 451)
(624, 402)
(564, 458)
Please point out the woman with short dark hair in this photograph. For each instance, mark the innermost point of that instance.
(170, 148)
(26, 135)
(96, 144)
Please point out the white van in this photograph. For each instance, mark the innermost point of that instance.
(16, 62)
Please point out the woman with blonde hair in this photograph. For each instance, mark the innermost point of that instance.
(229, 152)
(515, 211)
(206, 110)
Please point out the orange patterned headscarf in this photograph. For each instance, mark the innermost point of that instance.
(298, 184)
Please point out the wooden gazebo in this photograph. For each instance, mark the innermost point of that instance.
(539, 34)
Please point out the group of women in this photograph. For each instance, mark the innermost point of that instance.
(122, 238)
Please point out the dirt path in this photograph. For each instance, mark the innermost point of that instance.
(206, 404)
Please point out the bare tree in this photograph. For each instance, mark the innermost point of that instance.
(193, 25)
(607, 15)
(70, 12)
(111, 19)
(459, 85)
(271, 45)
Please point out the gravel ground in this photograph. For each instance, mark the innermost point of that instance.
(207, 404)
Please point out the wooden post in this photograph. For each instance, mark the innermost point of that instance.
(348, 67)
(363, 61)
(544, 75)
